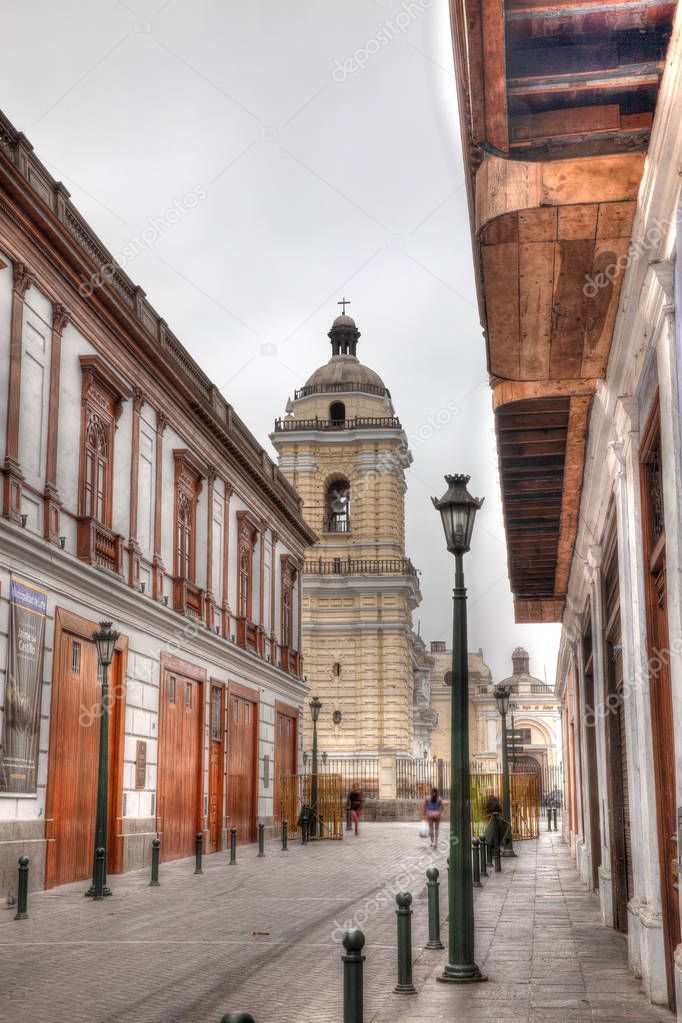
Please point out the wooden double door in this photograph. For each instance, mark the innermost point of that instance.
(76, 708)
(286, 756)
(216, 767)
(242, 762)
(660, 687)
(180, 762)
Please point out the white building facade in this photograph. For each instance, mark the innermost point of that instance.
(133, 493)
(620, 663)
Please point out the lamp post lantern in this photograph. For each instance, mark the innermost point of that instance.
(105, 641)
(315, 708)
(502, 696)
(458, 510)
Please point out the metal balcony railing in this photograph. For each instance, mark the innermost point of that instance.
(360, 566)
(341, 388)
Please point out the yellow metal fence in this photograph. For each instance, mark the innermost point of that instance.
(297, 792)
(525, 801)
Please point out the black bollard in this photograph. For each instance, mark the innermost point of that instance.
(261, 840)
(549, 818)
(304, 831)
(353, 966)
(321, 826)
(554, 816)
(285, 836)
(99, 873)
(432, 894)
(199, 849)
(156, 845)
(484, 856)
(349, 822)
(475, 855)
(404, 915)
(496, 843)
(488, 853)
(238, 1017)
(233, 846)
(22, 895)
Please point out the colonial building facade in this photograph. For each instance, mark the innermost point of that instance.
(343, 448)
(131, 492)
(575, 211)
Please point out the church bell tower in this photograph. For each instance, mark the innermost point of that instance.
(343, 448)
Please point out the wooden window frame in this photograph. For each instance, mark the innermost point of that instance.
(189, 473)
(248, 530)
(102, 395)
(289, 574)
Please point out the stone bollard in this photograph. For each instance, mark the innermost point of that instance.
(349, 820)
(554, 817)
(156, 845)
(22, 895)
(433, 895)
(199, 849)
(476, 857)
(353, 967)
(233, 846)
(99, 873)
(484, 856)
(304, 831)
(261, 840)
(404, 915)
(285, 836)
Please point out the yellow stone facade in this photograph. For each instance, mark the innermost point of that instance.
(345, 451)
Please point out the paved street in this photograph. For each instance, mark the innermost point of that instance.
(263, 936)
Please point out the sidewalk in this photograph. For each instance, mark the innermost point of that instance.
(264, 937)
(540, 942)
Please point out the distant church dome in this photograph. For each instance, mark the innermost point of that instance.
(344, 367)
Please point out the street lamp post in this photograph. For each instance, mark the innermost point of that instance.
(315, 707)
(458, 510)
(502, 695)
(105, 641)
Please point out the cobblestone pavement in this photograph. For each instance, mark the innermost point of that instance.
(264, 935)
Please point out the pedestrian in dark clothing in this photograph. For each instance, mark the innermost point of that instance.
(355, 803)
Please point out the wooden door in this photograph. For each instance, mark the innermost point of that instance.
(660, 689)
(216, 767)
(242, 770)
(74, 758)
(180, 764)
(286, 758)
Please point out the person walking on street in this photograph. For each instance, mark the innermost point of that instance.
(355, 803)
(433, 808)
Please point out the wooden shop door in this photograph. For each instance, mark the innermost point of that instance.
(74, 758)
(660, 688)
(286, 760)
(180, 766)
(242, 770)
(216, 768)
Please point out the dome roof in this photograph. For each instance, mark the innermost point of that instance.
(345, 369)
(344, 321)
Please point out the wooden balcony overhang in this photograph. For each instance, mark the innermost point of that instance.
(549, 240)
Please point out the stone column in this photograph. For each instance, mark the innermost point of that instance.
(226, 561)
(134, 552)
(387, 774)
(52, 502)
(211, 474)
(158, 566)
(13, 476)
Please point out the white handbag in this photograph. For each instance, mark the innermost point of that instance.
(423, 830)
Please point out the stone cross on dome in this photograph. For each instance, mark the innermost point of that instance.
(344, 302)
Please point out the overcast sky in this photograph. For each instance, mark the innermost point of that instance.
(323, 145)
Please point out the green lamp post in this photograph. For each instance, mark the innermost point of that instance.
(458, 510)
(105, 641)
(315, 708)
(502, 696)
